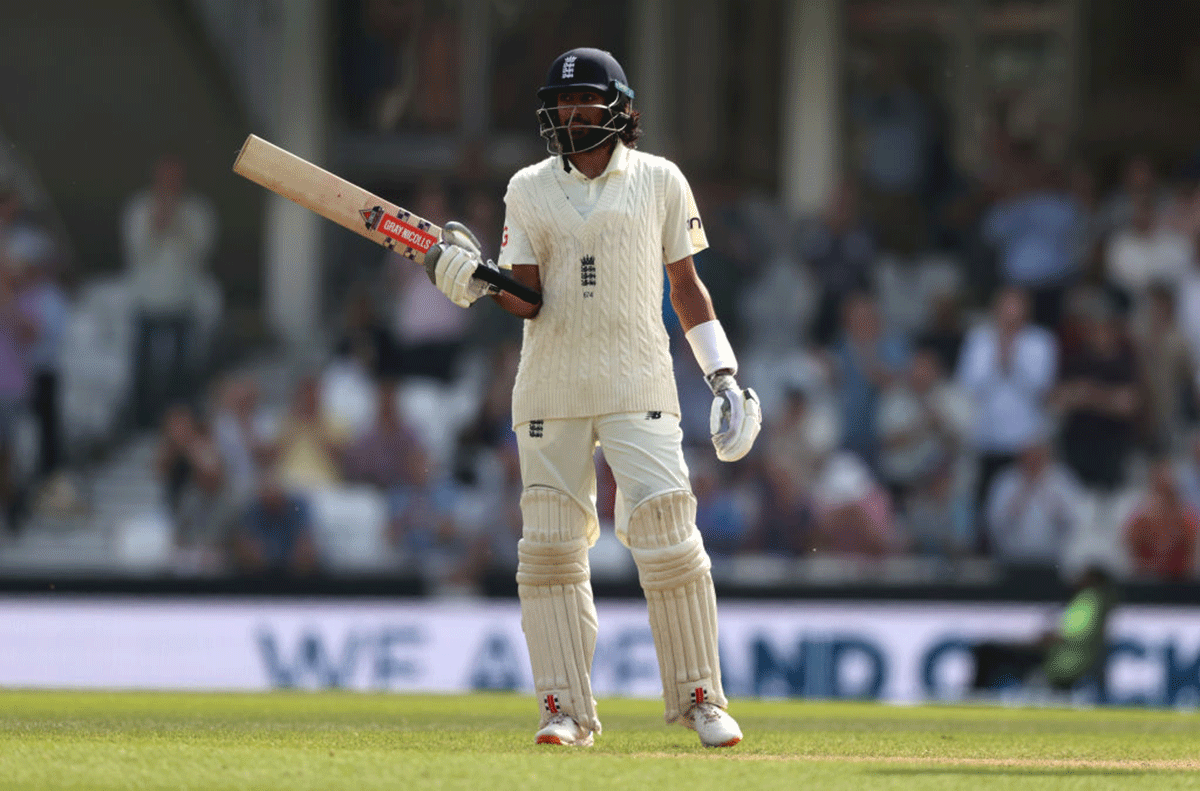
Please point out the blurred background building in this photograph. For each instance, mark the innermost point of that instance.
(954, 242)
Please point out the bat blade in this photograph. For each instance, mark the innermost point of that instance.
(335, 198)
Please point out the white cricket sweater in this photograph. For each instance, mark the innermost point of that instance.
(598, 345)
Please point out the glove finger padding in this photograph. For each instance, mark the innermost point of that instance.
(728, 410)
(452, 274)
(735, 420)
(457, 234)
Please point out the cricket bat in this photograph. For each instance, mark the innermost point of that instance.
(352, 207)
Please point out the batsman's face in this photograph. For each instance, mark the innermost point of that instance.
(580, 110)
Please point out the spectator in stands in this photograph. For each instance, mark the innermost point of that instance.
(801, 433)
(814, 496)
(1187, 472)
(840, 251)
(897, 129)
(275, 534)
(1145, 252)
(168, 235)
(423, 523)
(189, 467)
(1161, 535)
(15, 214)
(946, 331)
(775, 374)
(1034, 507)
(364, 338)
(307, 450)
(1187, 304)
(785, 521)
(853, 514)
(1139, 182)
(938, 514)
(1098, 396)
(241, 437)
(1034, 228)
(429, 330)
(493, 545)
(18, 331)
(1089, 243)
(1008, 365)
(388, 454)
(799, 439)
(33, 255)
(924, 423)
(490, 430)
(1167, 367)
(722, 517)
(775, 305)
(1183, 216)
(866, 359)
(910, 289)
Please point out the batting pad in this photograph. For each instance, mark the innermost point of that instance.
(675, 574)
(557, 613)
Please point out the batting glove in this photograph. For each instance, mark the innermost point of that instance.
(451, 265)
(735, 418)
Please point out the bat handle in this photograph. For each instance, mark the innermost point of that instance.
(506, 283)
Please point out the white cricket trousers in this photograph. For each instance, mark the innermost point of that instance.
(644, 450)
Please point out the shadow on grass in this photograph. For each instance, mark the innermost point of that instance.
(1015, 771)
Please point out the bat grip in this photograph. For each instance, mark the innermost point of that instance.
(506, 283)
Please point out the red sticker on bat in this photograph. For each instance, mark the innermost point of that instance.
(405, 234)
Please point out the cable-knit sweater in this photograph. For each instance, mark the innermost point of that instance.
(598, 345)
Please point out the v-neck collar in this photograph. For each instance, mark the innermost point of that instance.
(618, 163)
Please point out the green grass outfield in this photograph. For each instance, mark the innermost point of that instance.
(293, 741)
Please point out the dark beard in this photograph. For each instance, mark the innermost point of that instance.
(590, 139)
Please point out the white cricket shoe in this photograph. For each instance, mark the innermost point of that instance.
(561, 729)
(713, 724)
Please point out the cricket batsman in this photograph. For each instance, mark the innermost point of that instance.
(591, 227)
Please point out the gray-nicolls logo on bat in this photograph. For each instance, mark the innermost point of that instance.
(371, 216)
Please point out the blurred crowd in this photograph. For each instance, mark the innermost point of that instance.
(999, 364)
(1016, 379)
(164, 302)
(34, 313)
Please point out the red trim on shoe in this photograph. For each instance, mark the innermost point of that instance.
(547, 738)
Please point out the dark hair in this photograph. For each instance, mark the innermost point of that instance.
(632, 130)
